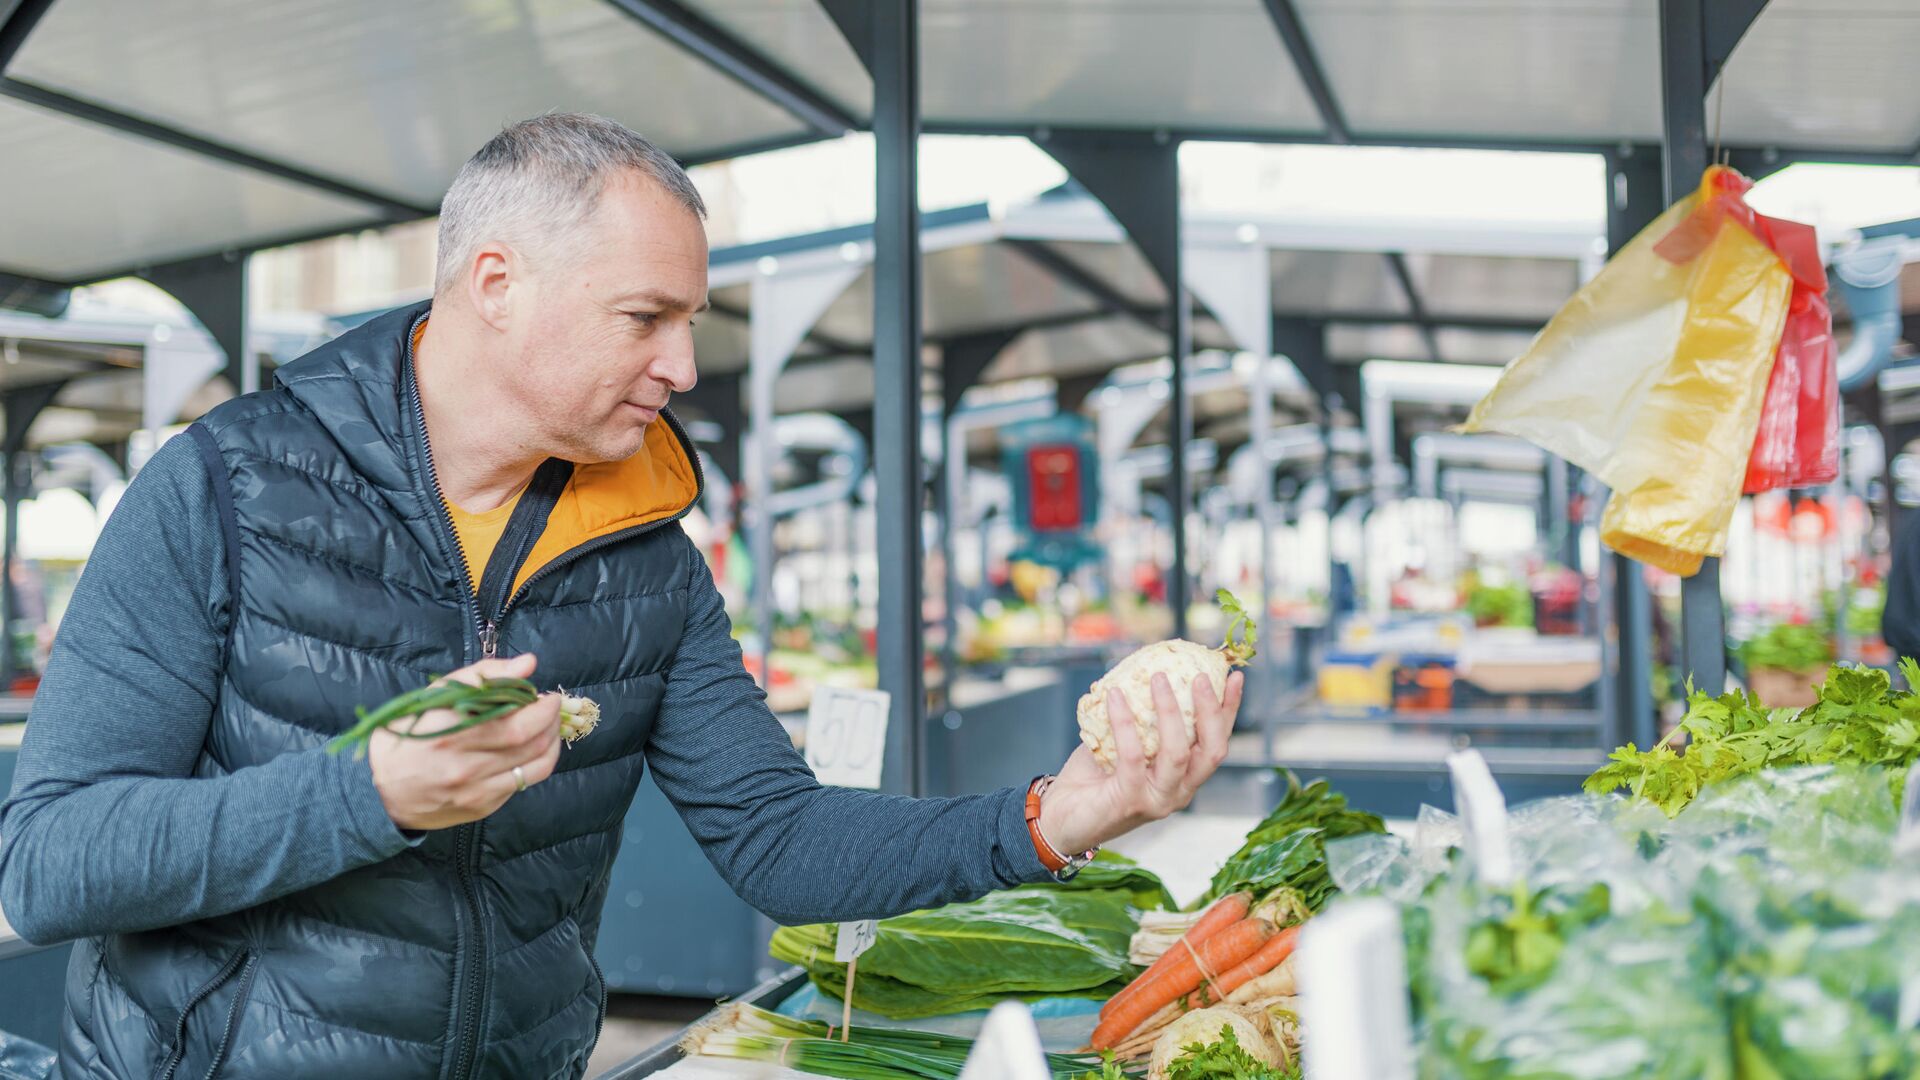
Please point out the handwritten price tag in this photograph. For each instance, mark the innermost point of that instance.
(847, 736)
(1008, 1047)
(854, 938)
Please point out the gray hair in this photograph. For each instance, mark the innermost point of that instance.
(536, 184)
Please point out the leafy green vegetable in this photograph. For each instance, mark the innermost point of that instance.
(1021, 943)
(1858, 719)
(1288, 847)
(1109, 1069)
(1225, 1059)
(1789, 647)
(1243, 624)
(1517, 949)
(1111, 870)
(1501, 605)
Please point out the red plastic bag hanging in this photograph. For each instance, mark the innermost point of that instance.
(1817, 450)
(1796, 444)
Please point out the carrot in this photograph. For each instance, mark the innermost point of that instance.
(1225, 911)
(1189, 968)
(1271, 955)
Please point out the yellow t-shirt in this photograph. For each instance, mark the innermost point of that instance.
(599, 500)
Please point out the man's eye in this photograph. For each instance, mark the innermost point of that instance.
(646, 318)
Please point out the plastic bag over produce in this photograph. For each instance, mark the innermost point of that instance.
(1654, 375)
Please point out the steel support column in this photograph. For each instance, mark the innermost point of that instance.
(1633, 201)
(1136, 176)
(214, 291)
(900, 486)
(962, 361)
(1683, 80)
(21, 406)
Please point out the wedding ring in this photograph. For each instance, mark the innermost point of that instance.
(519, 780)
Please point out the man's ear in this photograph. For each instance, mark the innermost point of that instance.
(491, 277)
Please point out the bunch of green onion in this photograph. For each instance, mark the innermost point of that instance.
(471, 705)
(753, 1034)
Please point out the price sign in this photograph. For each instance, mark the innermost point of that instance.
(1483, 816)
(854, 938)
(1008, 1047)
(847, 736)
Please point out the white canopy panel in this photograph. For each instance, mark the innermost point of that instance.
(1821, 73)
(389, 96)
(1133, 63)
(1506, 69)
(87, 198)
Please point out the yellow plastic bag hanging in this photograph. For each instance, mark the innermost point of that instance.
(1652, 377)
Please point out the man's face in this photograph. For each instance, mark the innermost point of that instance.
(604, 333)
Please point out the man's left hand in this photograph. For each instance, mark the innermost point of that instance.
(1087, 806)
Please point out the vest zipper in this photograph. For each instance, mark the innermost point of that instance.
(470, 996)
(501, 568)
(179, 1048)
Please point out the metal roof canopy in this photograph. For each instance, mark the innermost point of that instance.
(215, 136)
(169, 130)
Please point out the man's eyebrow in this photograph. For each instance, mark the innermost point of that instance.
(664, 300)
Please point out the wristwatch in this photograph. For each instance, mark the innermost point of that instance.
(1062, 867)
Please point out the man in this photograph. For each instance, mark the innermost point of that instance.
(489, 483)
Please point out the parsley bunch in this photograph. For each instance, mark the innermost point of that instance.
(1859, 719)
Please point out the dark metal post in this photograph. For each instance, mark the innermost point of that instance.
(1632, 203)
(1137, 177)
(962, 361)
(1683, 79)
(21, 406)
(896, 384)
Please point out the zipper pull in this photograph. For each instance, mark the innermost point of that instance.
(489, 640)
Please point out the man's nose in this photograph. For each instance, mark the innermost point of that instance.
(675, 365)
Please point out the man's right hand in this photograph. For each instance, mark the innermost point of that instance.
(454, 779)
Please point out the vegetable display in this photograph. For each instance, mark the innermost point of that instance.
(1028, 943)
(1789, 647)
(747, 1033)
(1181, 662)
(471, 705)
(1767, 929)
(1237, 949)
(1288, 848)
(1859, 718)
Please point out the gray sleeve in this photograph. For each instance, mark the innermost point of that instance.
(796, 850)
(107, 829)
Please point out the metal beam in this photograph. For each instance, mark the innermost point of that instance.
(1293, 34)
(1136, 176)
(20, 406)
(829, 342)
(153, 131)
(1415, 306)
(900, 487)
(1683, 79)
(735, 59)
(1110, 299)
(1727, 21)
(17, 20)
(214, 291)
(1304, 343)
(962, 362)
(1791, 153)
(24, 292)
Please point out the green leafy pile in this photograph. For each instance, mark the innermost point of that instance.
(1288, 849)
(1788, 647)
(1859, 719)
(1501, 605)
(1026, 943)
(1516, 946)
(1224, 1059)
